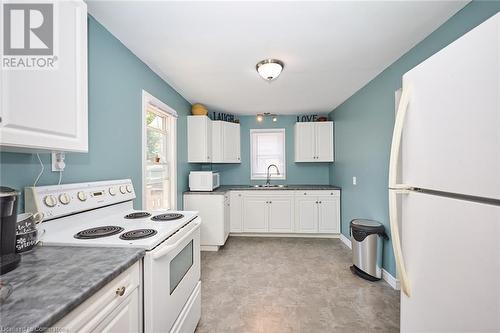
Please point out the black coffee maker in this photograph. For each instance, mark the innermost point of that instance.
(9, 259)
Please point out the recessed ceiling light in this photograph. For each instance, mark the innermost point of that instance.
(270, 69)
(260, 118)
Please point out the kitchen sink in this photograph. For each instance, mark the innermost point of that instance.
(269, 186)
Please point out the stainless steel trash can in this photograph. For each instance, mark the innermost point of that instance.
(367, 247)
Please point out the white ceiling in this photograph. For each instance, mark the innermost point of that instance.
(208, 50)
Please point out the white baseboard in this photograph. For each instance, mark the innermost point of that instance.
(212, 248)
(268, 234)
(386, 276)
(345, 240)
(391, 280)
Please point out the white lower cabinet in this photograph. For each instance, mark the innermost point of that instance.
(214, 212)
(318, 212)
(306, 213)
(268, 213)
(255, 213)
(281, 214)
(299, 212)
(236, 211)
(328, 214)
(117, 307)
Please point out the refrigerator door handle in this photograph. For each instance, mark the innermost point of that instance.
(396, 241)
(395, 188)
(396, 136)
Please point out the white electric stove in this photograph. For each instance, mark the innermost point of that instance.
(101, 214)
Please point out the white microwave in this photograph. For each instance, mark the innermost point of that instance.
(203, 180)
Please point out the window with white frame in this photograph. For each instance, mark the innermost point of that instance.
(159, 155)
(267, 146)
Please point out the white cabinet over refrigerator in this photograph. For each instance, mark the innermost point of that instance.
(46, 109)
(447, 127)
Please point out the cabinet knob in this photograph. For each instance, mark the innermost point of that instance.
(120, 291)
(320, 202)
(316, 202)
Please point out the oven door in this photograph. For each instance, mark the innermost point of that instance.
(171, 273)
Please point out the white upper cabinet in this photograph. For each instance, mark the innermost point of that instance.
(225, 142)
(46, 109)
(314, 142)
(199, 139)
(213, 141)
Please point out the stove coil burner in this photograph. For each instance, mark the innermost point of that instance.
(167, 217)
(138, 234)
(98, 232)
(137, 215)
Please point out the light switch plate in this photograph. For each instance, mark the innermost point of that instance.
(354, 181)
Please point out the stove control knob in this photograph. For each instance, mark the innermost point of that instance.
(129, 188)
(50, 200)
(123, 189)
(82, 196)
(64, 198)
(112, 191)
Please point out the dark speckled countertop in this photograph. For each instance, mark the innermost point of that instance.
(53, 280)
(225, 188)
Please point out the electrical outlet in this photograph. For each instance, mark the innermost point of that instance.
(354, 181)
(58, 163)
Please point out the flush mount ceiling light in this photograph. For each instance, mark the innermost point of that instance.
(270, 69)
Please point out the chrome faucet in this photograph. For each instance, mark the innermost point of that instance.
(268, 181)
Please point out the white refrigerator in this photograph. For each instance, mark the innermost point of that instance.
(444, 187)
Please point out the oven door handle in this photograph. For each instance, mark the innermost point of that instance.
(164, 251)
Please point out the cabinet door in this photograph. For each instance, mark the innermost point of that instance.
(255, 214)
(328, 214)
(217, 141)
(47, 109)
(199, 139)
(306, 214)
(227, 222)
(236, 211)
(231, 143)
(305, 142)
(281, 214)
(125, 318)
(324, 141)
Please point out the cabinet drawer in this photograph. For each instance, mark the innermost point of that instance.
(334, 193)
(88, 315)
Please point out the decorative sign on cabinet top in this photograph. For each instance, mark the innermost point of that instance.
(311, 118)
(223, 116)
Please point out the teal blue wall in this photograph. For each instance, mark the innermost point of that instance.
(115, 82)
(364, 123)
(296, 173)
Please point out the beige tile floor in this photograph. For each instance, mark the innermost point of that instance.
(272, 285)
